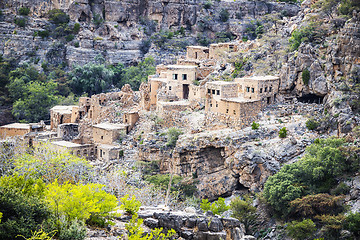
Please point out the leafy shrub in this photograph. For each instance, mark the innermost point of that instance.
(81, 202)
(254, 30)
(305, 76)
(73, 230)
(331, 225)
(348, 6)
(43, 34)
(136, 232)
(21, 22)
(341, 189)
(57, 16)
(76, 44)
(311, 124)
(207, 5)
(69, 38)
(131, 206)
(97, 19)
(21, 214)
(217, 207)
(352, 223)
(314, 32)
(224, 15)
(145, 46)
(76, 28)
(244, 211)
(312, 205)
(301, 230)
(24, 11)
(255, 126)
(172, 136)
(49, 165)
(283, 132)
(316, 172)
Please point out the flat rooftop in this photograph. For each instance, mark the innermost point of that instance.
(222, 83)
(181, 66)
(198, 47)
(66, 144)
(158, 79)
(111, 126)
(63, 109)
(108, 147)
(258, 78)
(175, 103)
(17, 126)
(240, 100)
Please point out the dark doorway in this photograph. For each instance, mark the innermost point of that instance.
(185, 91)
(268, 100)
(311, 98)
(61, 119)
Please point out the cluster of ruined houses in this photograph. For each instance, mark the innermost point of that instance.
(173, 88)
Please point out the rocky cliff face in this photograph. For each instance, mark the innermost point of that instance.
(222, 161)
(127, 24)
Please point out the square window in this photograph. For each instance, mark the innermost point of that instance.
(265, 89)
(170, 88)
(260, 90)
(217, 92)
(217, 105)
(252, 90)
(227, 110)
(213, 91)
(247, 89)
(270, 89)
(210, 104)
(175, 76)
(234, 112)
(184, 77)
(209, 91)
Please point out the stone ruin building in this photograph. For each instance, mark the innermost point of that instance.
(93, 128)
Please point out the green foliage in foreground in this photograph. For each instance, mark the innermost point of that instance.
(136, 232)
(316, 172)
(217, 207)
(131, 206)
(34, 203)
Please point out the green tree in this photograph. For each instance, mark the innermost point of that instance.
(316, 172)
(135, 75)
(305, 76)
(36, 102)
(244, 211)
(91, 79)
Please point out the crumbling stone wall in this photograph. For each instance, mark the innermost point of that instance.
(68, 131)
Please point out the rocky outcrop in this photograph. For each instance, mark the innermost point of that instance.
(221, 161)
